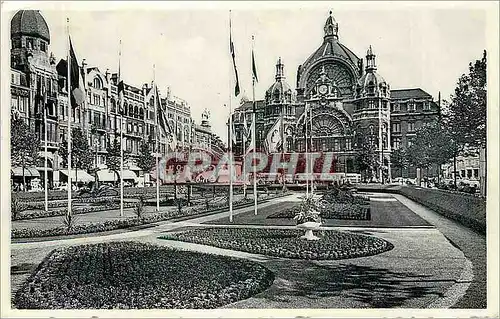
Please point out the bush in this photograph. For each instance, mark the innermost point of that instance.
(131, 275)
(286, 243)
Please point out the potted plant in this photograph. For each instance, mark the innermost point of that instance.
(308, 217)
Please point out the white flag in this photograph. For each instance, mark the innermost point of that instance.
(251, 137)
(273, 139)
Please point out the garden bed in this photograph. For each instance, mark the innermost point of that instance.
(76, 209)
(131, 275)
(331, 211)
(286, 243)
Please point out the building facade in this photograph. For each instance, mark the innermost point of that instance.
(340, 105)
(34, 72)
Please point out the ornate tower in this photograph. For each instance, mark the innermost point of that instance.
(279, 103)
(371, 117)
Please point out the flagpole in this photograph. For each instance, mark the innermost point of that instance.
(243, 152)
(310, 155)
(254, 137)
(46, 184)
(156, 142)
(283, 143)
(306, 159)
(230, 126)
(121, 132)
(69, 120)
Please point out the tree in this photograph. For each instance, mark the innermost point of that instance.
(432, 145)
(466, 114)
(24, 145)
(81, 154)
(113, 156)
(146, 161)
(366, 160)
(399, 159)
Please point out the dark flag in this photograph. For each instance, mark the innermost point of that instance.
(254, 68)
(76, 86)
(121, 91)
(231, 46)
(163, 123)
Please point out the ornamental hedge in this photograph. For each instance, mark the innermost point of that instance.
(132, 275)
(286, 243)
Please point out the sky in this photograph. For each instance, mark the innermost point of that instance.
(424, 46)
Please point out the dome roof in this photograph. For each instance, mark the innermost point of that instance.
(280, 87)
(31, 23)
(372, 83)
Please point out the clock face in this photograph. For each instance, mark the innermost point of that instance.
(323, 89)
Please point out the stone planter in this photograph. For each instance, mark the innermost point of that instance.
(309, 227)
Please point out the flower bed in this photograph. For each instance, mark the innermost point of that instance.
(110, 225)
(132, 275)
(286, 243)
(30, 214)
(330, 211)
(40, 204)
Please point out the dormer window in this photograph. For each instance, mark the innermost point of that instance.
(411, 106)
(43, 46)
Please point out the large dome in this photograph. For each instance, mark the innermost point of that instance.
(30, 23)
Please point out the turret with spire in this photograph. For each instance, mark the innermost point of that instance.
(280, 74)
(331, 27)
(370, 60)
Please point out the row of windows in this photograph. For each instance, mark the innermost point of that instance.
(410, 106)
(396, 127)
(19, 103)
(31, 43)
(326, 144)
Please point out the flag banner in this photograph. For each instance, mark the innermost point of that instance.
(254, 68)
(76, 86)
(231, 47)
(233, 132)
(273, 140)
(163, 123)
(121, 92)
(246, 132)
(250, 137)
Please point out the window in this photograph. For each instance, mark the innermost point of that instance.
(371, 104)
(348, 144)
(371, 129)
(43, 46)
(29, 43)
(396, 143)
(410, 142)
(97, 83)
(426, 106)
(411, 126)
(411, 107)
(396, 127)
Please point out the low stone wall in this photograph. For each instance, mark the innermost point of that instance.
(467, 209)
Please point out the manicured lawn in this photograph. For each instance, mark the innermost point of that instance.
(383, 214)
(286, 242)
(128, 275)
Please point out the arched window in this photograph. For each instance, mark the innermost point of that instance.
(97, 83)
(136, 111)
(141, 113)
(130, 110)
(125, 108)
(371, 87)
(371, 129)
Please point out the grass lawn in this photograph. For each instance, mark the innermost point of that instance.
(383, 214)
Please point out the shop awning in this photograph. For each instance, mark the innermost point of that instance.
(134, 168)
(79, 176)
(128, 174)
(106, 175)
(28, 172)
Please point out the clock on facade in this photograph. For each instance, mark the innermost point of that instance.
(323, 89)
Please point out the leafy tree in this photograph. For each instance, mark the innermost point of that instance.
(81, 154)
(113, 156)
(146, 161)
(399, 159)
(24, 145)
(466, 114)
(366, 160)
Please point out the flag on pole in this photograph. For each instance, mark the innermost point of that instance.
(273, 140)
(231, 47)
(121, 89)
(76, 85)
(246, 132)
(163, 123)
(254, 68)
(233, 132)
(251, 137)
